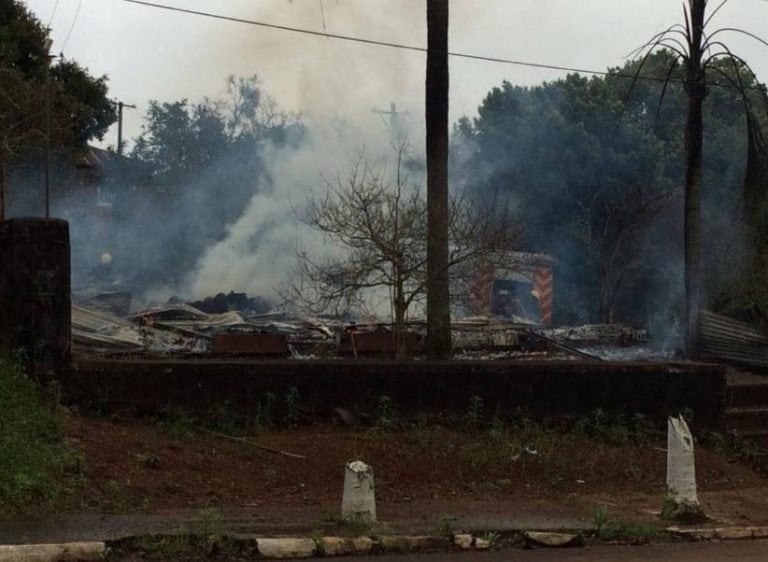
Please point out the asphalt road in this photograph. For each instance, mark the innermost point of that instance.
(741, 551)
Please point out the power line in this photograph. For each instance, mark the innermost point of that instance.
(53, 13)
(72, 27)
(402, 46)
(386, 43)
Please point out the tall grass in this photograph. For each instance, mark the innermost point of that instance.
(33, 455)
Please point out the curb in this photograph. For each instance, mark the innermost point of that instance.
(297, 547)
(65, 552)
(285, 548)
(719, 533)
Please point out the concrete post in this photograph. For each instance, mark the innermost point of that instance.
(359, 499)
(681, 470)
(35, 286)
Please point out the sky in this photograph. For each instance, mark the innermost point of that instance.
(154, 54)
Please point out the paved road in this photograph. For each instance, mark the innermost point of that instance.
(742, 551)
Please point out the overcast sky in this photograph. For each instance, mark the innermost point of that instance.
(153, 54)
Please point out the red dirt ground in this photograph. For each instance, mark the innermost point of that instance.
(137, 465)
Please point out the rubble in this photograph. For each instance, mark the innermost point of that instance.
(239, 302)
(100, 324)
(606, 334)
(95, 330)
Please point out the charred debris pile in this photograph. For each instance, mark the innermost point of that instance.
(236, 325)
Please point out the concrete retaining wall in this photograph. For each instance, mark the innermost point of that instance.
(544, 388)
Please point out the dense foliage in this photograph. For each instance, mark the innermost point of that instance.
(81, 110)
(595, 168)
(201, 164)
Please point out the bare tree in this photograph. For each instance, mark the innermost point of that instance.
(378, 231)
(611, 227)
(696, 50)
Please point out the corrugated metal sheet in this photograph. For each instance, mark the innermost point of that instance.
(725, 339)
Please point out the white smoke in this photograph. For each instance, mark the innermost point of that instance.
(259, 253)
(341, 92)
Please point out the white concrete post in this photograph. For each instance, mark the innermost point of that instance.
(681, 470)
(359, 499)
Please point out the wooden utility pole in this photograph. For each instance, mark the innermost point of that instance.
(394, 123)
(120, 106)
(438, 343)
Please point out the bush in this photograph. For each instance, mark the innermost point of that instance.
(33, 454)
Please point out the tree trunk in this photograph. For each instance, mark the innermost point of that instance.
(2, 187)
(401, 349)
(696, 91)
(438, 341)
(606, 300)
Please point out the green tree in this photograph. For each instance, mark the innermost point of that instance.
(81, 110)
(597, 182)
(205, 162)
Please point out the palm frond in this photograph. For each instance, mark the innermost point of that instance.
(715, 11)
(741, 31)
(672, 68)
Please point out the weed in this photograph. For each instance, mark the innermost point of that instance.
(445, 527)
(475, 412)
(732, 447)
(493, 538)
(34, 457)
(498, 431)
(265, 410)
(385, 413)
(617, 430)
(357, 524)
(221, 418)
(292, 403)
(622, 531)
(178, 423)
(605, 529)
(175, 546)
(599, 518)
(684, 513)
(317, 538)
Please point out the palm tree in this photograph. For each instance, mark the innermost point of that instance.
(438, 342)
(696, 50)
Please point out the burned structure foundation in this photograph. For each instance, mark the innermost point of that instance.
(537, 388)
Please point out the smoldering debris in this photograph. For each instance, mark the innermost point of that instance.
(240, 302)
(101, 326)
(619, 335)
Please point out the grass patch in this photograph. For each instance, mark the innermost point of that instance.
(682, 513)
(731, 447)
(34, 457)
(183, 546)
(606, 529)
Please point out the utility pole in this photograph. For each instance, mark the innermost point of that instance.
(438, 343)
(47, 46)
(395, 123)
(120, 106)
